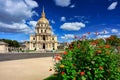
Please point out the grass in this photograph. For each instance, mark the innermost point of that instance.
(29, 50)
(51, 78)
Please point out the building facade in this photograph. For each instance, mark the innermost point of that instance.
(3, 47)
(43, 38)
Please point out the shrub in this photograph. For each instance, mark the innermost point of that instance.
(88, 60)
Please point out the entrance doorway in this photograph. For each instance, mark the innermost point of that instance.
(44, 37)
(43, 45)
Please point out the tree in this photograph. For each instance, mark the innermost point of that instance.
(11, 43)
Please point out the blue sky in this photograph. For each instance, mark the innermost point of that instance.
(68, 18)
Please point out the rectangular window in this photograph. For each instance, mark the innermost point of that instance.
(33, 44)
(53, 45)
(52, 38)
(43, 37)
(41, 31)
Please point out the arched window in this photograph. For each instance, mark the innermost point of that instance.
(33, 38)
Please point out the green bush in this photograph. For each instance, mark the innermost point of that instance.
(88, 60)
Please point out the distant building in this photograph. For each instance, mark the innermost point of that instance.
(3, 47)
(63, 45)
(27, 45)
(43, 38)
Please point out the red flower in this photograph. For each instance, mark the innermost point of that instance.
(70, 47)
(100, 46)
(107, 46)
(75, 37)
(62, 72)
(98, 51)
(78, 46)
(65, 53)
(74, 64)
(100, 67)
(58, 57)
(112, 37)
(94, 42)
(82, 73)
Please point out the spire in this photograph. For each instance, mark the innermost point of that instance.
(43, 13)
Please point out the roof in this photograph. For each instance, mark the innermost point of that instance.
(43, 19)
(3, 43)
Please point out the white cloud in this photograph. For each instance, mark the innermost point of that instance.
(32, 23)
(52, 21)
(14, 14)
(73, 26)
(114, 30)
(62, 3)
(87, 22)
(67, 36)
(118, 34)
(103, 36)
(31, 3)
(72, 6)
(112, 6)
(15, 28)
(104, 32)
(63, 18)
(52, 30)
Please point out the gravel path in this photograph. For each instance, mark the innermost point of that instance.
(26, 69)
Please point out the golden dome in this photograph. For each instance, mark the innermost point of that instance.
(43, 19)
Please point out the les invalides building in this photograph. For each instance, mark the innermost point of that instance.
(43, 38)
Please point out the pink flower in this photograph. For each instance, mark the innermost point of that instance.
(96, 33)
(88, 33)
(75, 37)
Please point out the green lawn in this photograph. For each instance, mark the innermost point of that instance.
(51, 78)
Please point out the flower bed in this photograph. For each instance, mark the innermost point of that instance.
(88, 60)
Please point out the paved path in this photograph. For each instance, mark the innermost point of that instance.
(26, 69)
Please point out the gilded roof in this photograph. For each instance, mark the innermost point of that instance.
(43, 19)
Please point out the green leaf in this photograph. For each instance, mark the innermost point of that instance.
(83, 78)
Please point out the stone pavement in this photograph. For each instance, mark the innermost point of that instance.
(26, 69)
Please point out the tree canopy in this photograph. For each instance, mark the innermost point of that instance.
(11, 43)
